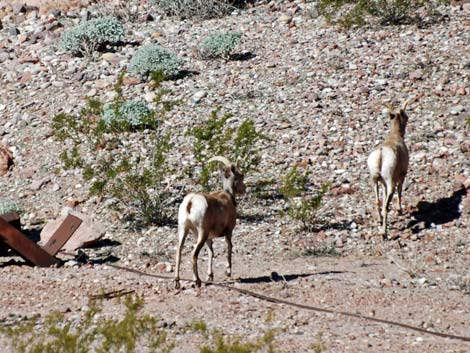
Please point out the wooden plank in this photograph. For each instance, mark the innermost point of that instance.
(25, 247)
(13, 218)
(62, 234)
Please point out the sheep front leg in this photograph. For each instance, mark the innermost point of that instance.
(201, 239)
(182, 233)
(210, 273)
(228, 241)
(399, 190)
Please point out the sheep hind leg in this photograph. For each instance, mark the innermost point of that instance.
(377, 200)
(182, 233)
(389, 189)
(228, 241)
(201, 239)
(210, 273)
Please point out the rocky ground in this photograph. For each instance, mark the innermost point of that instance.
(319, 93)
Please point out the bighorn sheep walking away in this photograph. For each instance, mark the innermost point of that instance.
(388, 164)
(210, 216)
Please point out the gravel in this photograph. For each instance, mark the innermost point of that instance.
(319, 93)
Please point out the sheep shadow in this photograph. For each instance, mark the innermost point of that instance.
(275, 277)
(439, 212)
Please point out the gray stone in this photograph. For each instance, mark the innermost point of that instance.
(455, 110)
(13, 31)
(197, 97)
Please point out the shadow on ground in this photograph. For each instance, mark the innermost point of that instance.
(442, 211)
(275, 277)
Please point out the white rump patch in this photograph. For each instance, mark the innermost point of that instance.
(198, 209)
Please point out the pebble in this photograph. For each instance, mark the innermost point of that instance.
(317, 92)
(198, 96)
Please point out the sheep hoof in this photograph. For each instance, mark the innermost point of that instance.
(177, 284)
(198, 283)
(210, 278)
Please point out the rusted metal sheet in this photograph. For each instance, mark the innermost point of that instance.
(62, 234)
(25, 247)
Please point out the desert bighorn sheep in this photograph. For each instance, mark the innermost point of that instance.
(210, 216)
(388, 164)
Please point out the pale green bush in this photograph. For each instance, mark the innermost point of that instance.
(219, 45)
(202, 9)
(90, 35)
(125, 114)
(7, 206)
(153, 57)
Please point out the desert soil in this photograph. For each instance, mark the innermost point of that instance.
(319, 93)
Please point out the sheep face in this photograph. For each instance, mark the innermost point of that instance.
(232, 180)
(399, 120)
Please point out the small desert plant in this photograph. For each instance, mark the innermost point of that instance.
(153, 57)
(132, 175)
(319, 346)
(302, 206)
(92, 35)
(355, 13)
(320, 249)
(92, 333)
(126, 115)
(216, 342)
(219, 45)
(201, 9)
(213, 137)
(122, 9)
(7, 206)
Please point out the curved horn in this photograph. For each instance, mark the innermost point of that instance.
(403, 107)
(220, 159)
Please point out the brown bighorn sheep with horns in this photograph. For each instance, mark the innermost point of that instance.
(210, 216)
(388, 164)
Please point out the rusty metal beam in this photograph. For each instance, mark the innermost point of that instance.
(69, 225)
(25, 247)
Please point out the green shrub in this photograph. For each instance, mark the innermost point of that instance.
(132, 175)
(7, 206)
(201, 9)
(217, 342)
(219, 45)
(355, 13)
(91, 35)
(92, 333)
(126, 115)
(302, 206)
(223, 344)
(214, 138)
(153, 57)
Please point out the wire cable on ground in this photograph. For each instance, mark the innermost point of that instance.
(303, 306)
